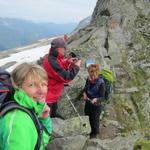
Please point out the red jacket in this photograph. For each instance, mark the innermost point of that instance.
(59, 71)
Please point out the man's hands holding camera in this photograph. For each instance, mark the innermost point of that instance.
(72, 58)
(78, 63)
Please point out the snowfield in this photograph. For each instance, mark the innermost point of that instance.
(30, 53)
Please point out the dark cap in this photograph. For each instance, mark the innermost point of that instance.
(59, 43)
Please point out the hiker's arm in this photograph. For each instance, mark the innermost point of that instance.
(86, 84)
(102, 92)
(61, 74)
(19, 136)
(84, 96)
(84, 90)
(47, 124)
(68, 63)
(46, 120)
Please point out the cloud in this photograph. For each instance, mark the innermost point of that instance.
(47, 10)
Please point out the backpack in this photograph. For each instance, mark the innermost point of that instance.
(107, 76)
(7, 104)
(6, 88)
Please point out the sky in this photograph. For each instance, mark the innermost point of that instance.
(57, 11)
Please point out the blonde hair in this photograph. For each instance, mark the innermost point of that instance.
(94, 71)
(25, 70)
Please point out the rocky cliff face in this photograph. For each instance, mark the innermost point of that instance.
(120, 29)
(119, 37)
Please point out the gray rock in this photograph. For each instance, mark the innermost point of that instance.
(67, 143)
(70, 127)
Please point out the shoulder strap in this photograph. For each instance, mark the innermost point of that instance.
(100, 80)
(11, 105)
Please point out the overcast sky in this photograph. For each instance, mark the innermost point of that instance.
(58, 11)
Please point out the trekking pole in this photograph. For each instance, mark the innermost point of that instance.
(68, 97)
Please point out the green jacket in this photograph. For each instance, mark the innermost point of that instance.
(17, 130)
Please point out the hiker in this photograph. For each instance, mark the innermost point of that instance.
(60, 71)
(65, 37)
(94, 92)
(17, 129)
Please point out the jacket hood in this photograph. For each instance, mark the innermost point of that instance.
(24, 100)
(54, 52)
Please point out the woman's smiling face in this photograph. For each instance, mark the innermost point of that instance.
(35, 87)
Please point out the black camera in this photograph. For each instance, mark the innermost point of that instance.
(73, 55)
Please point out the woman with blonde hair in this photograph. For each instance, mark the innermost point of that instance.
(94, 93)
(18, 130)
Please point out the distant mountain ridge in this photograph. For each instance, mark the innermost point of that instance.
(83, 23)
(16, 32)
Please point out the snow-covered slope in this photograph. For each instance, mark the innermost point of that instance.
(29, 53)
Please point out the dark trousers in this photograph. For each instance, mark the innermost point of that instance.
(93, 111)
(53, 111)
